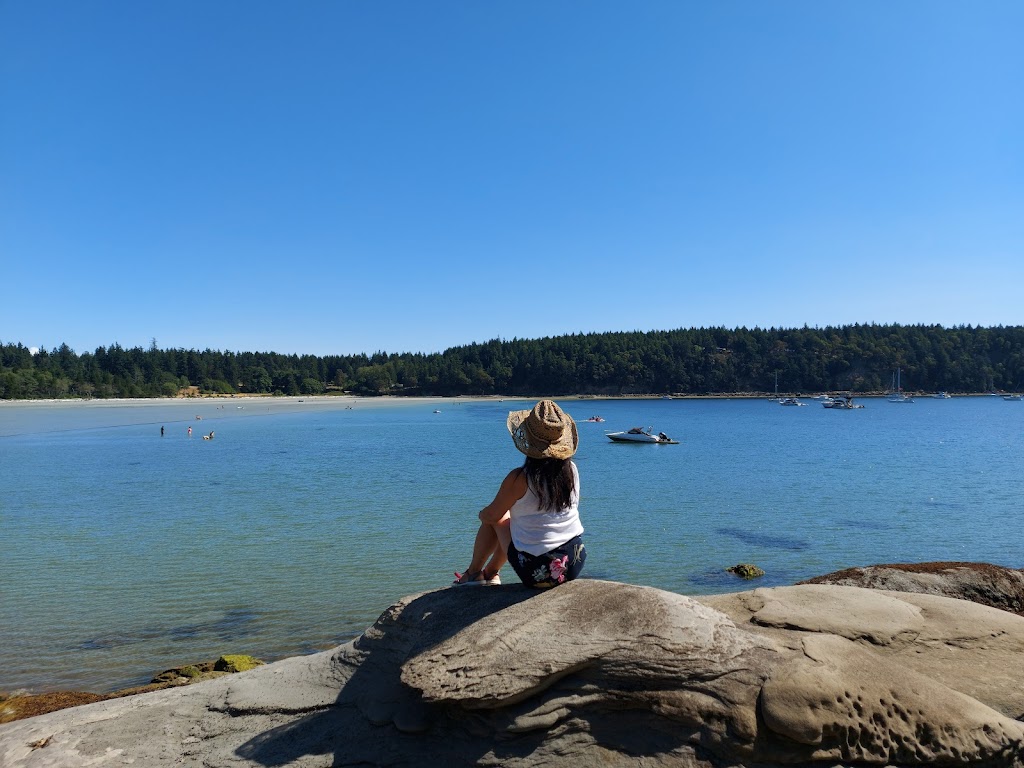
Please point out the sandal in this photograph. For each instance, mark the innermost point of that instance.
(475, 579)
(467, 579)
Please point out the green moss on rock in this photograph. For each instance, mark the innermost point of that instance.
(190, 672)
(236, 663)
(746, 571)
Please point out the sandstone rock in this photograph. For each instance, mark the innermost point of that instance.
(970, 648)
(594, 673)
(983, 583)
(841, 702)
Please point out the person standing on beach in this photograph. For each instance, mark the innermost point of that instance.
(533, 522)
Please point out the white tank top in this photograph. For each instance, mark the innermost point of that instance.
(536, 531)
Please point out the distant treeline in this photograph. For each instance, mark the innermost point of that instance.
(857, 358)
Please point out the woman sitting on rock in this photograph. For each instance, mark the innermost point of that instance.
(534, 522)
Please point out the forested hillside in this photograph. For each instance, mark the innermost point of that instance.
(858, 358)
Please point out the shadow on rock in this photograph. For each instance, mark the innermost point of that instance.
(372, 694)
(603, 673)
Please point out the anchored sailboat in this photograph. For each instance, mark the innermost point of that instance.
(896, 395)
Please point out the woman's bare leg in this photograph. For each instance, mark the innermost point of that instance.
(499, 556)
(489, 550)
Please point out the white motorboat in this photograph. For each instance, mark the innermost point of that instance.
(1013, 397)
(641, 435)
(942, 396)
(840, 402)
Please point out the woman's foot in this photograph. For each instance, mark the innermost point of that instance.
(475, 579)
(469, 577)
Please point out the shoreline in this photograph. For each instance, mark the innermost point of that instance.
(427, 399)
(23, 703)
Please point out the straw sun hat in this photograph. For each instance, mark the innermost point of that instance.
(544, 432)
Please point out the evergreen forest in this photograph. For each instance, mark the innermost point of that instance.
(705, 361)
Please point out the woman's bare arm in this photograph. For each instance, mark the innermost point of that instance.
(512, 489)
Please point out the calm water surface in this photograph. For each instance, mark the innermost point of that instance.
(124, 553)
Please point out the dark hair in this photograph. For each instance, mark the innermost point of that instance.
(552, 480)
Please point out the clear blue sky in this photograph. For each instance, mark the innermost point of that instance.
(341, 177)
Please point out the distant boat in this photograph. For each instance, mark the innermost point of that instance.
(1013, 397)
(942, 395)
(840, 403)
(641, 435)
(784, 400)
(436, 411)
(594, 418)
(896, 393)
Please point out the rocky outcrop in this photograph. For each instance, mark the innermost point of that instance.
(594, 673)
(966, 647)
(983, 583)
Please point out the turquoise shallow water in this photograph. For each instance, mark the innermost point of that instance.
(125, 553)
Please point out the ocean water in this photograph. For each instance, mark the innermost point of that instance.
(124, 553)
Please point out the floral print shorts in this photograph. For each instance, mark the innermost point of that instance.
(556, 567)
